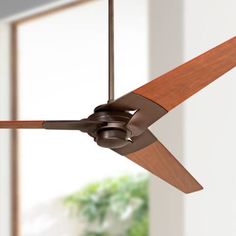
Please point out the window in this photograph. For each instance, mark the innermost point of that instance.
(62, 74)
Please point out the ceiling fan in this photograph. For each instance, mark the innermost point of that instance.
(122, 124)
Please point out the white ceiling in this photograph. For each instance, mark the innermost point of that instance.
(12, 7)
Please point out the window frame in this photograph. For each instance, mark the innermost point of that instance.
(14, 158)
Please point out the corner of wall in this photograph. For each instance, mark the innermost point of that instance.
(166, 35)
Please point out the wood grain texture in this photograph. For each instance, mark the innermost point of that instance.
(21, 124)
(174, 87)
(159, 161)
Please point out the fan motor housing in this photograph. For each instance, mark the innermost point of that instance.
(114, 133)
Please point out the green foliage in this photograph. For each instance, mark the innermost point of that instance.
(139, 227)
(88, 233)
(123, 199)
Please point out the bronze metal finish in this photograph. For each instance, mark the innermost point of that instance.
(111, 51)
(146, 111)
(114, 134)
(84, 125)
(137, 143)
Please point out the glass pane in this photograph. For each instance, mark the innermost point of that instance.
(63, 75)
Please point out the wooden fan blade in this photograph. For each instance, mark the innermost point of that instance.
(156, 98)
(174, 87)
(149, 153)
(21, 124)
(159, 161)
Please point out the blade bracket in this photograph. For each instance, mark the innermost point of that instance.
(147, 112)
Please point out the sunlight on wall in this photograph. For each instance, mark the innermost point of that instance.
(63, 75)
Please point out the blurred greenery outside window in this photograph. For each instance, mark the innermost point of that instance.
(113, 207)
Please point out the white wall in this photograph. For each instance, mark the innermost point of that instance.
(165, 53)
(208, 121)
(5, 152)
(209, 132)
